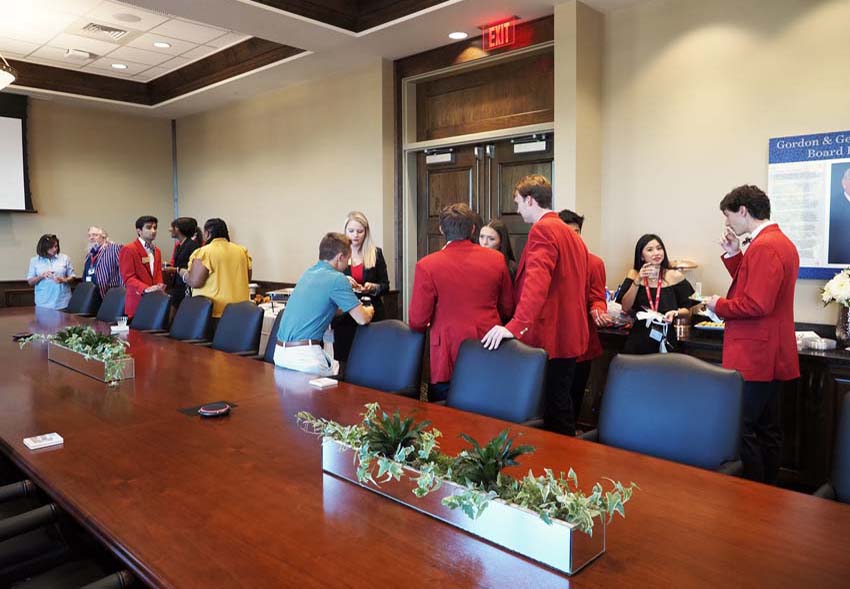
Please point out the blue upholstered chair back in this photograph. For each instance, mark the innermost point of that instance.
(152, 312)
(192, 320)
(239, 328)
(673, 406)
(268, 355)
(386, 355)
(506, 383)
(112, 306)
(841, 459)
(84, 300)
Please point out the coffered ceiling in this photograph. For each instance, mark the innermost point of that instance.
(222, 50)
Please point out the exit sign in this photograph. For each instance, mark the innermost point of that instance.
(498, 35)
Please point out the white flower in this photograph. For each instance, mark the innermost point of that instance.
(837, 289)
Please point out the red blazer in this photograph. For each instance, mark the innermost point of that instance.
(551, 290)
(596, 303)
(461, 291)
(136, 273)
(759, 340)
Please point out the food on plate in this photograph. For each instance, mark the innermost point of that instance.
(716, 324)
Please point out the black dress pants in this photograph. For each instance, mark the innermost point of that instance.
(578, 386)
(558, 415)
(761, 447)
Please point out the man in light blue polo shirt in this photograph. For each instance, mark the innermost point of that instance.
(320, 292)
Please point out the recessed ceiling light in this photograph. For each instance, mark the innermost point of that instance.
(161, 44)
(119, 66)
(458, 35)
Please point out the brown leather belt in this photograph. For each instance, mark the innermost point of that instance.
(300, 342)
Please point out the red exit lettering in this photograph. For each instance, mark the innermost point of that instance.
(499, 35)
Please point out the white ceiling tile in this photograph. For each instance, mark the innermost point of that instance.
(187, 31)
(112, 12)
(83, 43)
(58, 54)
(19, 22)
(17, 48)
(175, 63)
(227, 40)
(147, 40)
(138, 56)
(199, 52)
(76, 7)
(105, 63)
(148, 75)
(53, 63)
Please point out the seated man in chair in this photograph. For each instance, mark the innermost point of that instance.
(320, 292)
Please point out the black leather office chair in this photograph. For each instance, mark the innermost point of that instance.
(838, 487)
(112, 306)
(152, 312)
(506, 383)
(84, 300)
(387, 356)
(675, 407)
(239, 328)
(192, 321)
(268, 354)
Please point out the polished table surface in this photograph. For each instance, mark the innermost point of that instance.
(243, 502)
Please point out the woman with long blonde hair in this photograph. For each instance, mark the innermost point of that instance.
(367, 272)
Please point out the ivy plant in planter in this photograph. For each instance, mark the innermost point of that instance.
(389, 447)
(84, 340)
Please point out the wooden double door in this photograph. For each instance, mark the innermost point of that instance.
(482, 176)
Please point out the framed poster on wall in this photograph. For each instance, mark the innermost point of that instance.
(809, 186)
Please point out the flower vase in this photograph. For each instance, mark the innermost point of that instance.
(842, 326)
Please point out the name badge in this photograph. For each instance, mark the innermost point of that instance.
(145, 260)
(656, 333)
(88, 278)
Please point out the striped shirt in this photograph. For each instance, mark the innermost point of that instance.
(106, 272)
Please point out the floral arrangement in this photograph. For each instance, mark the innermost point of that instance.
(84, 340)
(385, 444)
(837, 289)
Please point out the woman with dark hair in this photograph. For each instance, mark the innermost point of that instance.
(220, 270)
(50, 272)
(652, 285)
(494, 235)
(188, 236)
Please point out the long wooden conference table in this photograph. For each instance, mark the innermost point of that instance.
(242, 501)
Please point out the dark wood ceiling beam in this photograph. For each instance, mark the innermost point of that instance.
(57, 79)
(239, 59)
(339, 13)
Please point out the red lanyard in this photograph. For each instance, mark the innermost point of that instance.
(653, 306)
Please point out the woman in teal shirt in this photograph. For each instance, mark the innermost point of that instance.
(50, 272)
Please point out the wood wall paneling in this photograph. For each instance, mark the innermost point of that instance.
(519, 92)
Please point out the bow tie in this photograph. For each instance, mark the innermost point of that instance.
(747, 241)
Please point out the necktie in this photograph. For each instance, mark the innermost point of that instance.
(747, 241)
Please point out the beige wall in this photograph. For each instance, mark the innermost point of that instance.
(87, 166)
(693, 92)
(579, 37)
(284, 168)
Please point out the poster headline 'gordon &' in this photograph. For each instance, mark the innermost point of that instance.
(802, 148)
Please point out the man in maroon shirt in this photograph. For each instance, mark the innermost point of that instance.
(551, 294)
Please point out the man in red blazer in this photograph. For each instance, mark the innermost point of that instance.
(551, 294)
(759, 339)
(140, 263)
(460, 291)
(597, 314)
